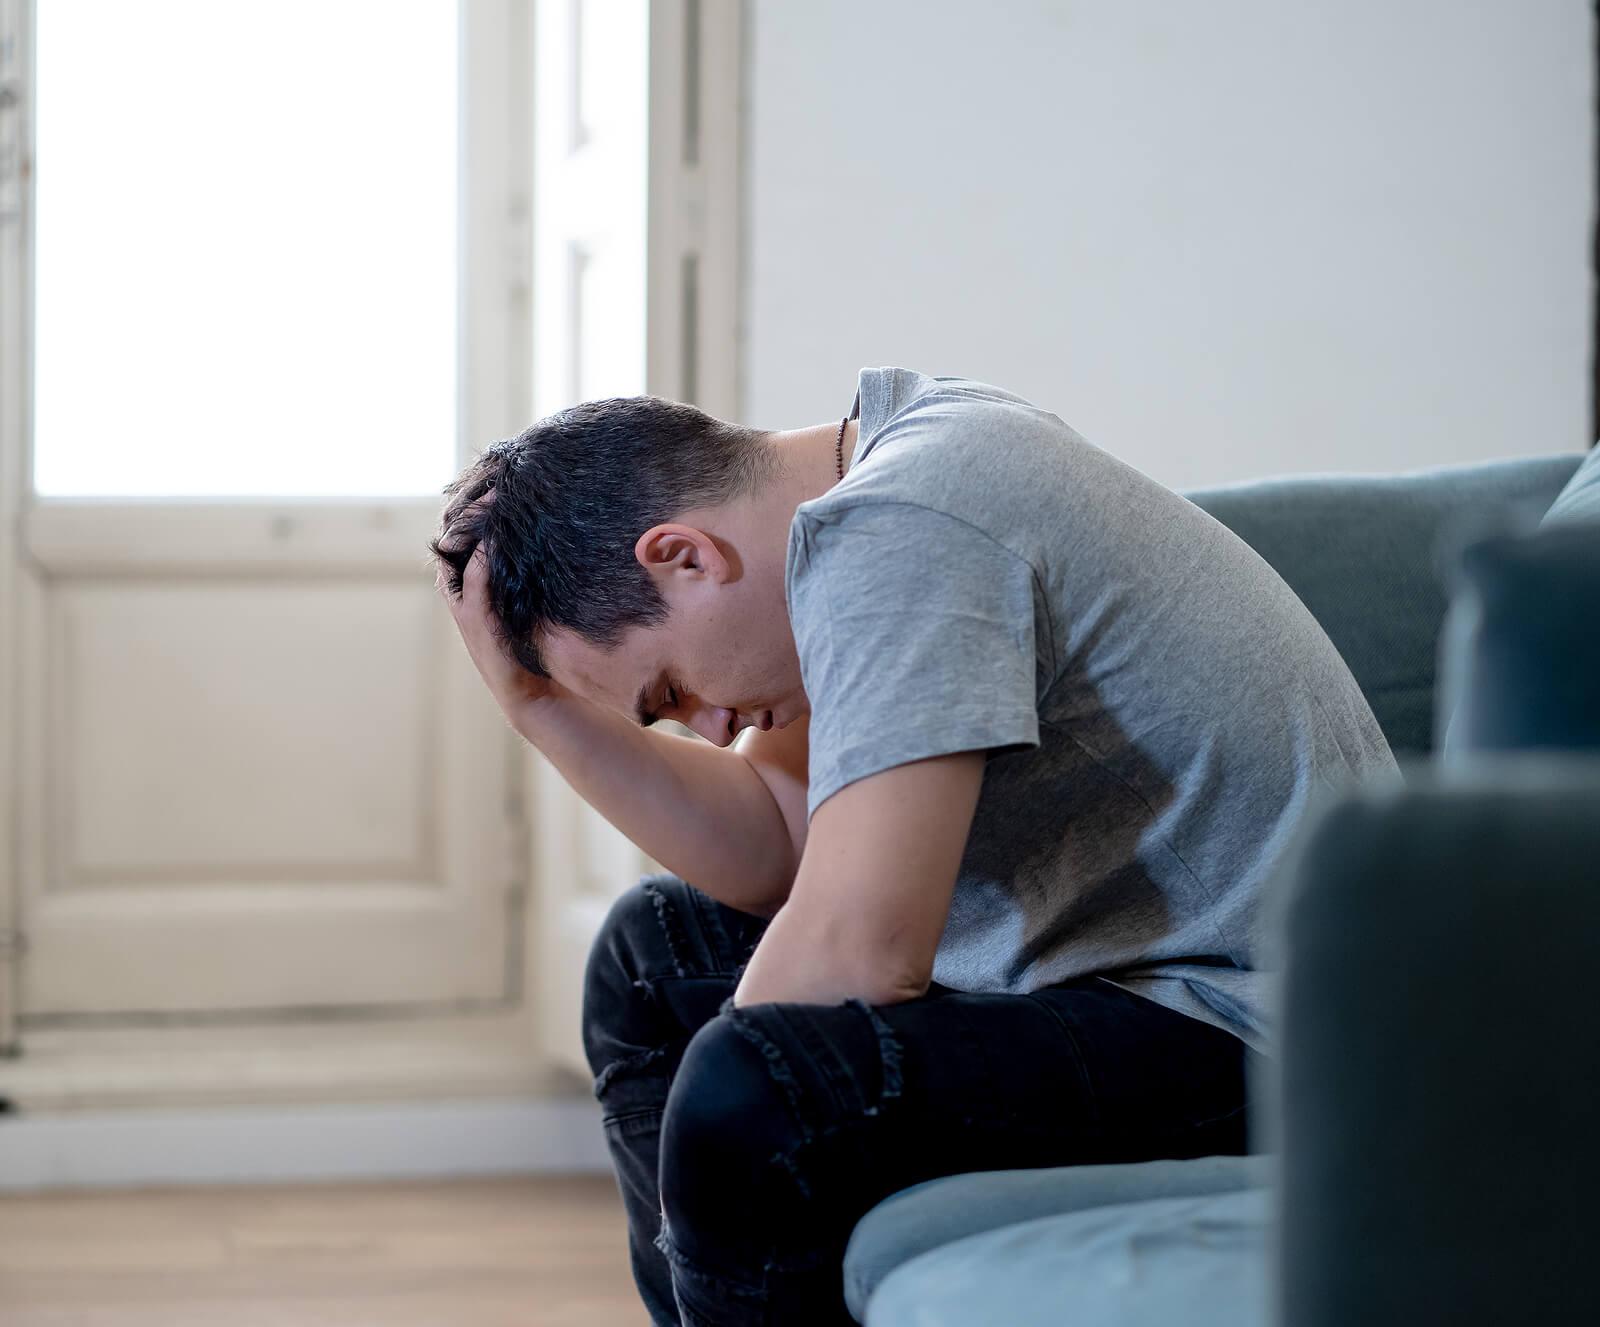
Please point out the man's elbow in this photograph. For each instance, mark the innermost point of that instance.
(895, 983)
(897, 994)
(876, 964)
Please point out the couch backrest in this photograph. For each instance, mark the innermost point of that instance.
(1361, 552)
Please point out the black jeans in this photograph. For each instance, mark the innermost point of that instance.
(747, 1142)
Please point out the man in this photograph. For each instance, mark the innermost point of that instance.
(1001, 737)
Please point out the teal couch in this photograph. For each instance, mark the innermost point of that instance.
(1424, 1142)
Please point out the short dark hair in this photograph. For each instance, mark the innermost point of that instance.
(560, 507)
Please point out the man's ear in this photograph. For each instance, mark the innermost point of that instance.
(671, 549)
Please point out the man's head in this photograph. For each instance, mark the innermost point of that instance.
(632, 555)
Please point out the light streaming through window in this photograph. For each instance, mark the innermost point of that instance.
(246, 247)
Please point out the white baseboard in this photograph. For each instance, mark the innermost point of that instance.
(247, 1145)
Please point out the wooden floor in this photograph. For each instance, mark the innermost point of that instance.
(547, 1252)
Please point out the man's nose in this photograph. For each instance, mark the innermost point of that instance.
(715, 723)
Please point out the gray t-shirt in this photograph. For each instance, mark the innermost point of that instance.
(1156, 701)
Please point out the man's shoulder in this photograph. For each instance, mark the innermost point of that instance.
(891, 391)
(960, 449)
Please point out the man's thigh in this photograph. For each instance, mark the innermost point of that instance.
(810, 1114)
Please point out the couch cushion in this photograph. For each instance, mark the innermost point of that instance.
(1520, 647)
(937, 1212)
(1200, 1261)
(1358, 550)
(1578, 504)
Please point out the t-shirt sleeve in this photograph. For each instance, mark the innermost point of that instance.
(916, 637)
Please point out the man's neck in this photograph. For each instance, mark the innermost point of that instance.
(759, 524)
(811, 463)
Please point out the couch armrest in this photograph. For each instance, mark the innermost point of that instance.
(1434, 1100)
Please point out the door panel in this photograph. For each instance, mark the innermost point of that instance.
(254, 793)
(289, 735)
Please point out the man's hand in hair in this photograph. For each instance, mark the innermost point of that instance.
(513, 686)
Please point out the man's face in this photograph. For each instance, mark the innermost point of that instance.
(722, 661)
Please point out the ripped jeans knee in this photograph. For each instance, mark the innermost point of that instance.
(760, 1119)
(767, 1142)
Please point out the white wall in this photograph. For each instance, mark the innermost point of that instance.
(1221, 239)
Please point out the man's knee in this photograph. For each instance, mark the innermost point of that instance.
(730, 1127)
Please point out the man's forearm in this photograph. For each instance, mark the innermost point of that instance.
(871, 899)
(701, 811)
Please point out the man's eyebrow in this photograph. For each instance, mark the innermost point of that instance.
(642, 716)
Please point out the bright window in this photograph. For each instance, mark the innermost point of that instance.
(246, 247)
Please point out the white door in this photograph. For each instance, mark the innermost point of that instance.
(270, 838)
(264, 292)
